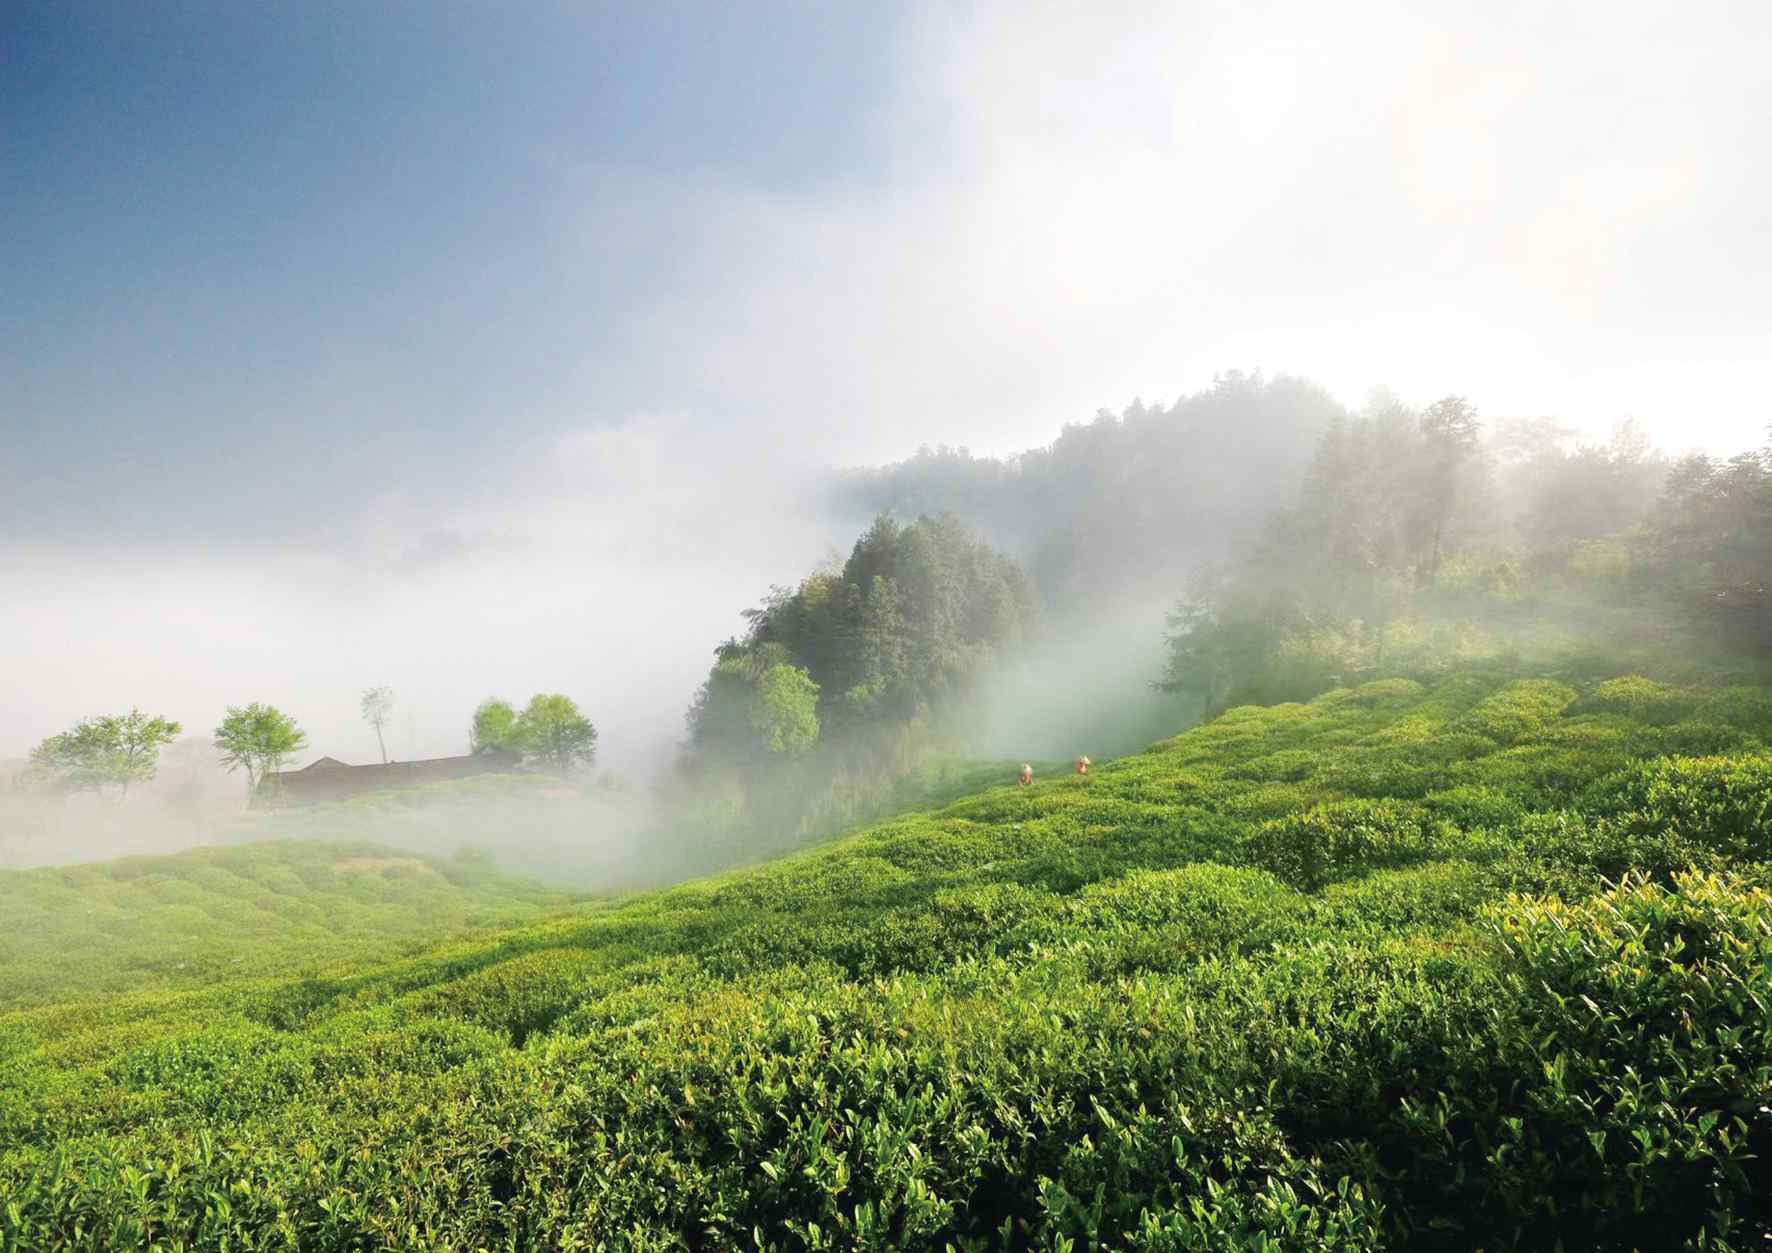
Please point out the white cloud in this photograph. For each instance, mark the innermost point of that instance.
(1536, 206)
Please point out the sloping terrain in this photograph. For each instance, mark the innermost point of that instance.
(149, 923)
(1485, 964)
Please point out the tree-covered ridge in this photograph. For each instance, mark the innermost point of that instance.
(1124, 503)
(1709, 540)
(1477, 964)
(1421, 540)
(853, 670)
(897, 631)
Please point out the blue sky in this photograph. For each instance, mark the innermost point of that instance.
(235, 235)
(491, 347)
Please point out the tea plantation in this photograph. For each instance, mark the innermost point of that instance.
(1478, 965)
(142, 923)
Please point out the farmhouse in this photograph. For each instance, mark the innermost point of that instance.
(330, 779)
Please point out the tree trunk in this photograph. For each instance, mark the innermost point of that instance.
(383, 743)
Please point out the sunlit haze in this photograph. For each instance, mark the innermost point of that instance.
(481, 350)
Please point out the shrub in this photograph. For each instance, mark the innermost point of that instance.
(1287, 766)
(1642, 1033)
(1378, 773)
(1435, 895)
(1747, 709)
(519, 996)
(1595, 849)
(1704, 739)
(1220, 908)
(1472, 806)
(1639, 699)
(1268, 800)
(1722, 803)
(1541, 775)
(1520, 711)
(1379, 694)
(1341, 838)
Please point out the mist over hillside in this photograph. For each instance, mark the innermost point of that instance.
(1110, 520)
(1255, 540)
(1125, 506)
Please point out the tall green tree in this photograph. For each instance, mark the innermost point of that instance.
(784, 710)
(1564, 493)
(1450, 437)
(493, 725)
(257, 738)
(72, 760)
(552, 732)
(1708, 543)
(850, 677)
(1414, 520)
(139, 739)
(897, 633)
(114, 750)
(1386, 496)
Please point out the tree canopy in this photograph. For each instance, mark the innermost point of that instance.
(257, 738)
(1125, 503)
(1709, 541)
(1425, 519)
(784, 710)
(896, 633)
(552, 732)
(112, 750)
(493, 724)
(844, 680)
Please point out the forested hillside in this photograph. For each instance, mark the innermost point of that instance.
(928, 640)
(1482, 963)
(1420, 542)
(1253, 542)
(1296, 546)
(847, 682)
(1126, 504)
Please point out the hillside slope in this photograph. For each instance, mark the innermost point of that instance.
(1352, 974)
(187, 919)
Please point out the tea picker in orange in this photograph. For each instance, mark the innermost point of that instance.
(1027, 774)
(1083, 764)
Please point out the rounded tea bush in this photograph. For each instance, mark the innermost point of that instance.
(1722, 803)
(1521, 711)
(1342, 838)
(1639, 699)
(1645, 1040)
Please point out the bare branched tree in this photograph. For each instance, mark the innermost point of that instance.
(378, 707)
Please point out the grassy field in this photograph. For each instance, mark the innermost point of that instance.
(142, 924)
(1481, 965)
